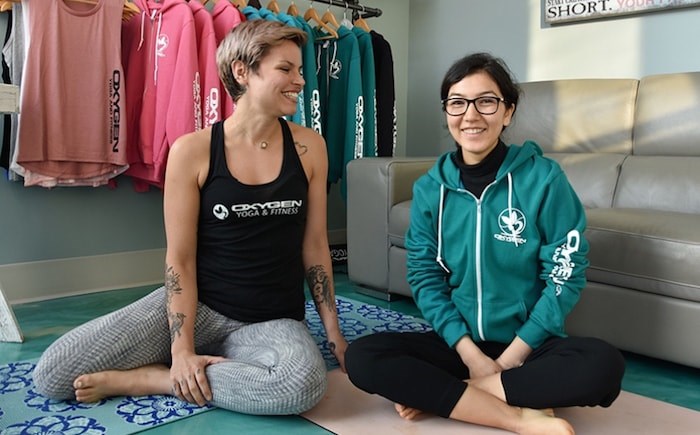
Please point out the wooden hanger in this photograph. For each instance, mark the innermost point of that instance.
(5, 5)
(361, 23)
(292, 10)
(311, 14)
(329, 18)
(131, 8)
(274, 7)
(240, 4)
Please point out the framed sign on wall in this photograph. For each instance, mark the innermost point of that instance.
(564, 11)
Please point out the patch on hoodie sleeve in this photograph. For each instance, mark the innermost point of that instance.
(564, 267)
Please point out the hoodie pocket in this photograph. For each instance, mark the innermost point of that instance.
(500, 320)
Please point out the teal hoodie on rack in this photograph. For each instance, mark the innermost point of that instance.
(509, 263)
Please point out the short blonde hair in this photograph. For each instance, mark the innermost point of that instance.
(249, 42)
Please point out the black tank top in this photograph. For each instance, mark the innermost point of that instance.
(249, 240)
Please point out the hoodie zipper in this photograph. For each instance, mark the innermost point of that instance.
(477, 256)
(479, 288)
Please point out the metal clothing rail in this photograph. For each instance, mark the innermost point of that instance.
(359, 10)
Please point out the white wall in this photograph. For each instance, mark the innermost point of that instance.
(441, 31)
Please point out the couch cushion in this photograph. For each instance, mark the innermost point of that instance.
(649, 250)
(660, 183)
(667, 115)
(593, 176)
(576, 116)
(399, 217)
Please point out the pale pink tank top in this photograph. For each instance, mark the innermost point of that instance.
(72, 108)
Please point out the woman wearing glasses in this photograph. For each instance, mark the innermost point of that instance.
(496, 260)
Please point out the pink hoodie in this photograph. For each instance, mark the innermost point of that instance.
(226, 16)
(210, 94)
(159, 53)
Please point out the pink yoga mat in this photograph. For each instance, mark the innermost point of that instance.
(347, 410)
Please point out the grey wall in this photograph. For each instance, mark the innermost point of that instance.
(441, 32)
(40, 224)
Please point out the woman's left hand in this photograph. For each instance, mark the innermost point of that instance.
(338, 347)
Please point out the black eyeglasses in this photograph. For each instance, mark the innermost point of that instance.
(457, 106)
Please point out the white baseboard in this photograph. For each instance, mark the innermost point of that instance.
(38, 280)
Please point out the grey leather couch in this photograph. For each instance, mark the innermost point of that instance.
(631, 150)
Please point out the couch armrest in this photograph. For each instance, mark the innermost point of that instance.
(375, 184)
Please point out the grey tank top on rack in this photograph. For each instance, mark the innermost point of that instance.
(249, 241)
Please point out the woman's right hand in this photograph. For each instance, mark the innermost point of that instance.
(189, 379)
(482, 366)
(477, 362)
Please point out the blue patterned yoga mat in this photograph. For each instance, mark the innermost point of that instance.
(24, 411)
(356, 320)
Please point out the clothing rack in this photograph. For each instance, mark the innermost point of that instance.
(360, 11)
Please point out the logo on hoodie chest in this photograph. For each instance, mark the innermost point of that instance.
(162, 44)
(512, 223)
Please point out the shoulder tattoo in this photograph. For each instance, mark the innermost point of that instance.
(301, 148)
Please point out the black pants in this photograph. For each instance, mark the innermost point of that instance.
(421, 371)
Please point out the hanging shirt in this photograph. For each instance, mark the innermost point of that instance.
(14, 52)
(72, 126)
(160, 58)
(6, 136)
(311, 103)
(386, 95)
(341, 100)
(369, 90)
(263, 13)
(210, 88)
(226, 17)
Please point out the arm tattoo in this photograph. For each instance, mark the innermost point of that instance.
(172, 287)
(320, 286)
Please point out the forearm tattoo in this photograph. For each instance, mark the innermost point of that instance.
(172, 287)
(320, 287)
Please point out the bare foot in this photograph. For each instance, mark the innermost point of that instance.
(406, 412)
(543, 422)
(548, 411)
(150, 379)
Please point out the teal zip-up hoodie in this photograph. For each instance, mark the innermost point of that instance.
(509, 263)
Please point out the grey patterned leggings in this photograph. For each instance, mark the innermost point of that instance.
(275, 367)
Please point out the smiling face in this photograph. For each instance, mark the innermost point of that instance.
(277, 81)
(477, 134)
